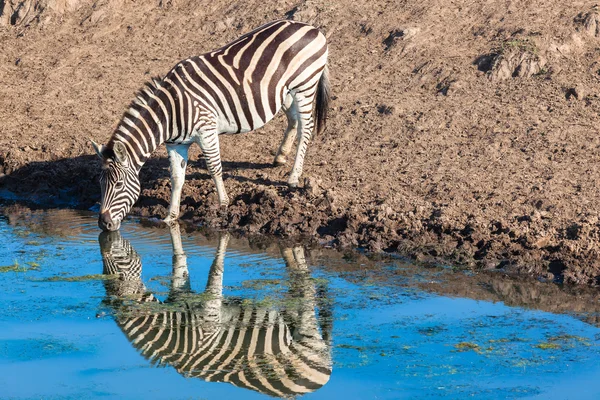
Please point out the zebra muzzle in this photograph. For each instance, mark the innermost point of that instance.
(106, 223)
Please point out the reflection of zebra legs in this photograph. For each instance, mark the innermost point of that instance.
(302, 317)
(213, 306)
(180, 281)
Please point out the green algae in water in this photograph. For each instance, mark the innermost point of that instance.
(33, 266)
(432, 330)
(81, 278)
(35, 349)
(259, 284)
(13, 268)
(352, 347)
(563, 342)
(548, 346)
(16, 267)
(570, 339)
(467, 346)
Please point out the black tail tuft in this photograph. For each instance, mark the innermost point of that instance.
(322, 104)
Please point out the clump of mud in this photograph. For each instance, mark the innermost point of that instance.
(513, 58)
(25, 12)
(589, 22)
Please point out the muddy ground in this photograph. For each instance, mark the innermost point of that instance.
(461, 132)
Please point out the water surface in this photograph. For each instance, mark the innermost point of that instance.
(159, 313)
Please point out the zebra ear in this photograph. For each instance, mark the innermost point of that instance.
(120, 152)
(98, 148)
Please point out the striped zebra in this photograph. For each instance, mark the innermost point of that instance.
(278, 353)
(237, 88)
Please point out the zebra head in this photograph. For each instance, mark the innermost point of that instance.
(119, 185)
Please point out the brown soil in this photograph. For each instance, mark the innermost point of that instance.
(459, 131)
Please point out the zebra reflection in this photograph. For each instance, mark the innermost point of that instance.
(276, 352)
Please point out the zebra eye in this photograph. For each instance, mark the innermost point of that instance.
(119, 185)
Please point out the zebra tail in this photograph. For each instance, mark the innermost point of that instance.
(322, 103)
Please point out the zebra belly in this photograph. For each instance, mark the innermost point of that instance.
(187, 140)
(247, 124)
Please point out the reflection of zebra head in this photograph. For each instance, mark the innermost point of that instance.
(281, 353)
(120, 258)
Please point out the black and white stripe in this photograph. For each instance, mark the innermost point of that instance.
(120, 259)
(237, 88)
(276, 352)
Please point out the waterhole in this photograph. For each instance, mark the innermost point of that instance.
(158, 312)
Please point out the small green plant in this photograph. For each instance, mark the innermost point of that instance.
(542, 72)
(523, 45)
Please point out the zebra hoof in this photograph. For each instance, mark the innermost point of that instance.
(279, 161)
(171, 219)
(293, 185)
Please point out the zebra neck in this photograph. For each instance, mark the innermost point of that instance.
(144, 127)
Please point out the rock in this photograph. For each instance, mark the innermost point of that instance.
(589, 22)
(579, 91)
(542, 242)
(312, 186)
(220, 26)
(97, 16)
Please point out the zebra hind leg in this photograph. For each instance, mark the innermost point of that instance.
(178, 157)
(289, 107)
(304, 133)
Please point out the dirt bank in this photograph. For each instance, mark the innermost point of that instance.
(464, 132)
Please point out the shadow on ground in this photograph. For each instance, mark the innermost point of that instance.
(74, 182)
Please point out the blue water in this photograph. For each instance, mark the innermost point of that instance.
(59, 337)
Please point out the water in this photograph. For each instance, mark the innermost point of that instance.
(326, 324)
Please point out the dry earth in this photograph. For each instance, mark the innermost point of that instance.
(463, 132)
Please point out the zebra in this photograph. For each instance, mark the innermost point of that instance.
(206, 336)
(234, 89)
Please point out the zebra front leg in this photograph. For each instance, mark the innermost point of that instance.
(209, 143)
(178, 157)
(289, 107)
(305, 129)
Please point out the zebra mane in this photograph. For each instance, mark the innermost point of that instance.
(143, 96)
